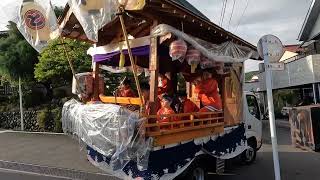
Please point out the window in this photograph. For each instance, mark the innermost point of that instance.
(253, 106)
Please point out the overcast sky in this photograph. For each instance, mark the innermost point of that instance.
(282, 18)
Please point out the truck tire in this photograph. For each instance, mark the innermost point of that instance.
(249, 155)
(198, 170)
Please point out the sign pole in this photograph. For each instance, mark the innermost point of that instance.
(21, 110)
(271, 111)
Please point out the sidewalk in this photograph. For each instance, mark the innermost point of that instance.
(52, 154)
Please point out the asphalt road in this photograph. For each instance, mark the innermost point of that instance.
(17, 175)
(295, 164)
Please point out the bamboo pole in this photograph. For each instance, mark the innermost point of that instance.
(133, 65)
(70, 63)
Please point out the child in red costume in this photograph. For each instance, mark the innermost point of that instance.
(125, 89)
(186, 105)
(164, 85)
(166, 110)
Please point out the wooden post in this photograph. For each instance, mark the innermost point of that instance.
(154, 72)
(95, 75)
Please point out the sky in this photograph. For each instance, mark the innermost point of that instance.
(250, 20)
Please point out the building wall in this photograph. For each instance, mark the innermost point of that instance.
(302, 71)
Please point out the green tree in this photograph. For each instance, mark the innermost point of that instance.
(17, 57)
(53, 65)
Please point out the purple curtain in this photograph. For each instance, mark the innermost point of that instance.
(113, 56)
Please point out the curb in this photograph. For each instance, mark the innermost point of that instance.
(54, 171)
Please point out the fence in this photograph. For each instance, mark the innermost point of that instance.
(11, 120)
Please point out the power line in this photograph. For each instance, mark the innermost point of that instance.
(241, 16)
(234, 2)
(224, 11)
(223, 1)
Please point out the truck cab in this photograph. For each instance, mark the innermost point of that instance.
(253, 125)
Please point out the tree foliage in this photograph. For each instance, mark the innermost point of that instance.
(17, 57)
(53, 65)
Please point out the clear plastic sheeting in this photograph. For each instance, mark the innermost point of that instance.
(112, 130)
(227, 52)
(35, 20)
(93, 14)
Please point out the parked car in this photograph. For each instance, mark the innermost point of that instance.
(285, 111)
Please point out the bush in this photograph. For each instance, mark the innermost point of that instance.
(33, 98)
(50, 120)
(57, 120)
(45, 120)
(59, 93)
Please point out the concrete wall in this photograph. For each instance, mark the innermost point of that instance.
(302, 71)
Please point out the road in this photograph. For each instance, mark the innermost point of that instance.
(295, 164)
(18, 175)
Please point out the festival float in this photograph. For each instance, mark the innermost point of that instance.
(159, 36)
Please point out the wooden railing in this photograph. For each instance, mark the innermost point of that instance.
(120, 100)
(188, 127)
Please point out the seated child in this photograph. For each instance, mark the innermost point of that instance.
(125, 89)
(186, 105)
(165, 110)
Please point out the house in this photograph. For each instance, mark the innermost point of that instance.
(301, 74)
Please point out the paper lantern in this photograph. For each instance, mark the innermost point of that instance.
(178, 50)
(35, 22)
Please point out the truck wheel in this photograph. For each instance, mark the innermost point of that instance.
(249, 155)
(198, 174)
(198, 170)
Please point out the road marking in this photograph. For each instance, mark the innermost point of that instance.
(29, 132)
(222, 174)
(52, 171)
(32, 173)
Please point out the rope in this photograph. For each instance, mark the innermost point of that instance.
(133, 65)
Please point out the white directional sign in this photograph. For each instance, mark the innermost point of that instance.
(272, 48)
(275, 66)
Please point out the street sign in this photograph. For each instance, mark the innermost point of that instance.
(275, 66)
(272, 48)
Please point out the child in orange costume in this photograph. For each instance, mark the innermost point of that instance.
(207, 90)
(125, 89)
(166, 110)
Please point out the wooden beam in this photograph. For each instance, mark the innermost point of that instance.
(95, 75)
(154, 72)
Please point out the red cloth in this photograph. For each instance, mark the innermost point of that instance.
(189, 106)
(208, 94)
(126, 93)
(165, 111)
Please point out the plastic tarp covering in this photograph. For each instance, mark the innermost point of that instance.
(93, 14)
(35, 20)
(227, 52)
(112, 130)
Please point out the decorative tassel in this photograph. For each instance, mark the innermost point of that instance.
(193, 67)
(122, 59)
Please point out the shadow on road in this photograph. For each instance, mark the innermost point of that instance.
(296, 164)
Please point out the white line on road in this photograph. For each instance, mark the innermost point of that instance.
(32, 173)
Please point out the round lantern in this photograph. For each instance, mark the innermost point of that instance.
(178, 50)
(35, 21)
